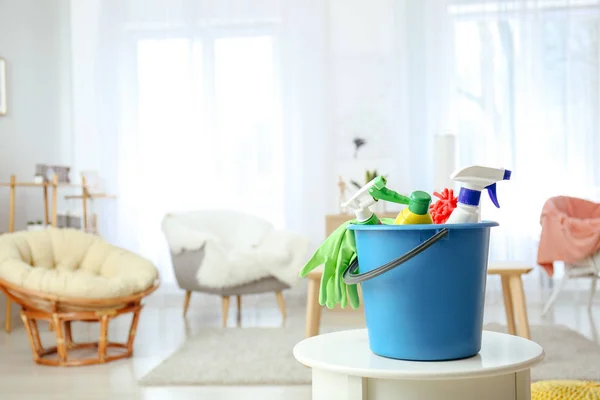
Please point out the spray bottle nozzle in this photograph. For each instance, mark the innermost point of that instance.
(492, 192)
(492, 188)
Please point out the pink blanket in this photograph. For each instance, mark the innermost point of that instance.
(570, 231)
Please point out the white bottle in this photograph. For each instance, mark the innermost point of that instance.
(474, 179)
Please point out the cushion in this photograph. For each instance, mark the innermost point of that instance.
(231, 229)
(72, 263)
(565, 390)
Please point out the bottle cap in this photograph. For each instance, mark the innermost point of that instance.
(419, 202)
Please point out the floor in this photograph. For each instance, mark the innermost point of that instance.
(162, 329)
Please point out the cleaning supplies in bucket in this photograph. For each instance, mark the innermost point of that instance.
(417, 211)
(339, 249)
(424, 285)
(423, 288)
(474, 179)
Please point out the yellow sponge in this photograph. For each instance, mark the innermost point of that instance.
(565, 390)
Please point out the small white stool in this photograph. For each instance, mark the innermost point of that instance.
(344, 368)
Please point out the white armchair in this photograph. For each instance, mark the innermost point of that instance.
(228, 253)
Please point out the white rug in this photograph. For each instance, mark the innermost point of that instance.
(569, 355)
(263, 356)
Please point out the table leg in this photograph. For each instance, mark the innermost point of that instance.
(313, 308)
(523, 383)
(520, 306)
(508, 305)
(328, 385)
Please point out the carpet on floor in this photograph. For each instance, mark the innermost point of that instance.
(263, 356)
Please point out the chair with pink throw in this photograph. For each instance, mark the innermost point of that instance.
(570, 233)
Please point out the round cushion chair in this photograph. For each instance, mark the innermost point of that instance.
(565, 390)
(66, 275)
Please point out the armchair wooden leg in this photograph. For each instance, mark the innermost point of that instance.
(281, 303)
(60, 339)
(68, 334)
(225, 310)
(186, 302)
(239, 308)
(34, 346)
(7, 321)
(103, 340)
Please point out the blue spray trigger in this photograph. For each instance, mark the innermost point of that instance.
(492, 192)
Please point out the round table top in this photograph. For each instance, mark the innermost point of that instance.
(348, 353)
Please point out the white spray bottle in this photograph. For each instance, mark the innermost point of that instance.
(474, 179)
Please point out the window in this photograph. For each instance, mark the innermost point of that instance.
(527, 79)
(209, 128)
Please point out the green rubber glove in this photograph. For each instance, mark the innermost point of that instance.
(336, 253)
(346, 255)
(327, 254)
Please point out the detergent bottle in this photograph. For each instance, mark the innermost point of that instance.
(417, 211)
(370, 194)
(474, 179)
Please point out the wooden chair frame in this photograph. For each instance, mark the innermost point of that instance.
(60, 312)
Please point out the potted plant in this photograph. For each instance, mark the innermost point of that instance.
(35, 225)
(369, 176)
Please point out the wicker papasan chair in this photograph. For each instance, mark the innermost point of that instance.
(67, 275)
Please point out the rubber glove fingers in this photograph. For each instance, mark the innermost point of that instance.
(328, 250)
(353, 291)
(346, 254)
(353, 296)
(329, 269)
(344, 299)
(328, 274)
(330, 293)
(316, 260)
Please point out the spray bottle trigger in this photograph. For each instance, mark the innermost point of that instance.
(492, 192)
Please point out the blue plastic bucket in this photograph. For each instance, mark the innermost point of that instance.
(423, 288)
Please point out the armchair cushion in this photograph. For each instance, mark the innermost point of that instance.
(262, 251)
(232, 230)
(71, 263)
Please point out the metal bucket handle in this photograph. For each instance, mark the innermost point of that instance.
(351, 279)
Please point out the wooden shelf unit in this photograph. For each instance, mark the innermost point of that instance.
(50, 215)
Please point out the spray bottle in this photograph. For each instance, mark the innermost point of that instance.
(474, 179)
(367, 196)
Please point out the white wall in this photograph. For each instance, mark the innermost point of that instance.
(34, 41)
(365, 76)
(381, 91)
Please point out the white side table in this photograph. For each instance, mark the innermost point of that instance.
(344, 368)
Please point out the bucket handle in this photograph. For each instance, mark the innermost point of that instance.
(351, 279)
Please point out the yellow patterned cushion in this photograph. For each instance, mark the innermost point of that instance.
(565, 390)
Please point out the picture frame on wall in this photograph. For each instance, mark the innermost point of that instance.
(3, 86)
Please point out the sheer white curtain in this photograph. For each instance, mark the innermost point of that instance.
(253, 105)
(527, 98)
(189, 105)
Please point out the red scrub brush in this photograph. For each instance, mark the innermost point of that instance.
(440, 210)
